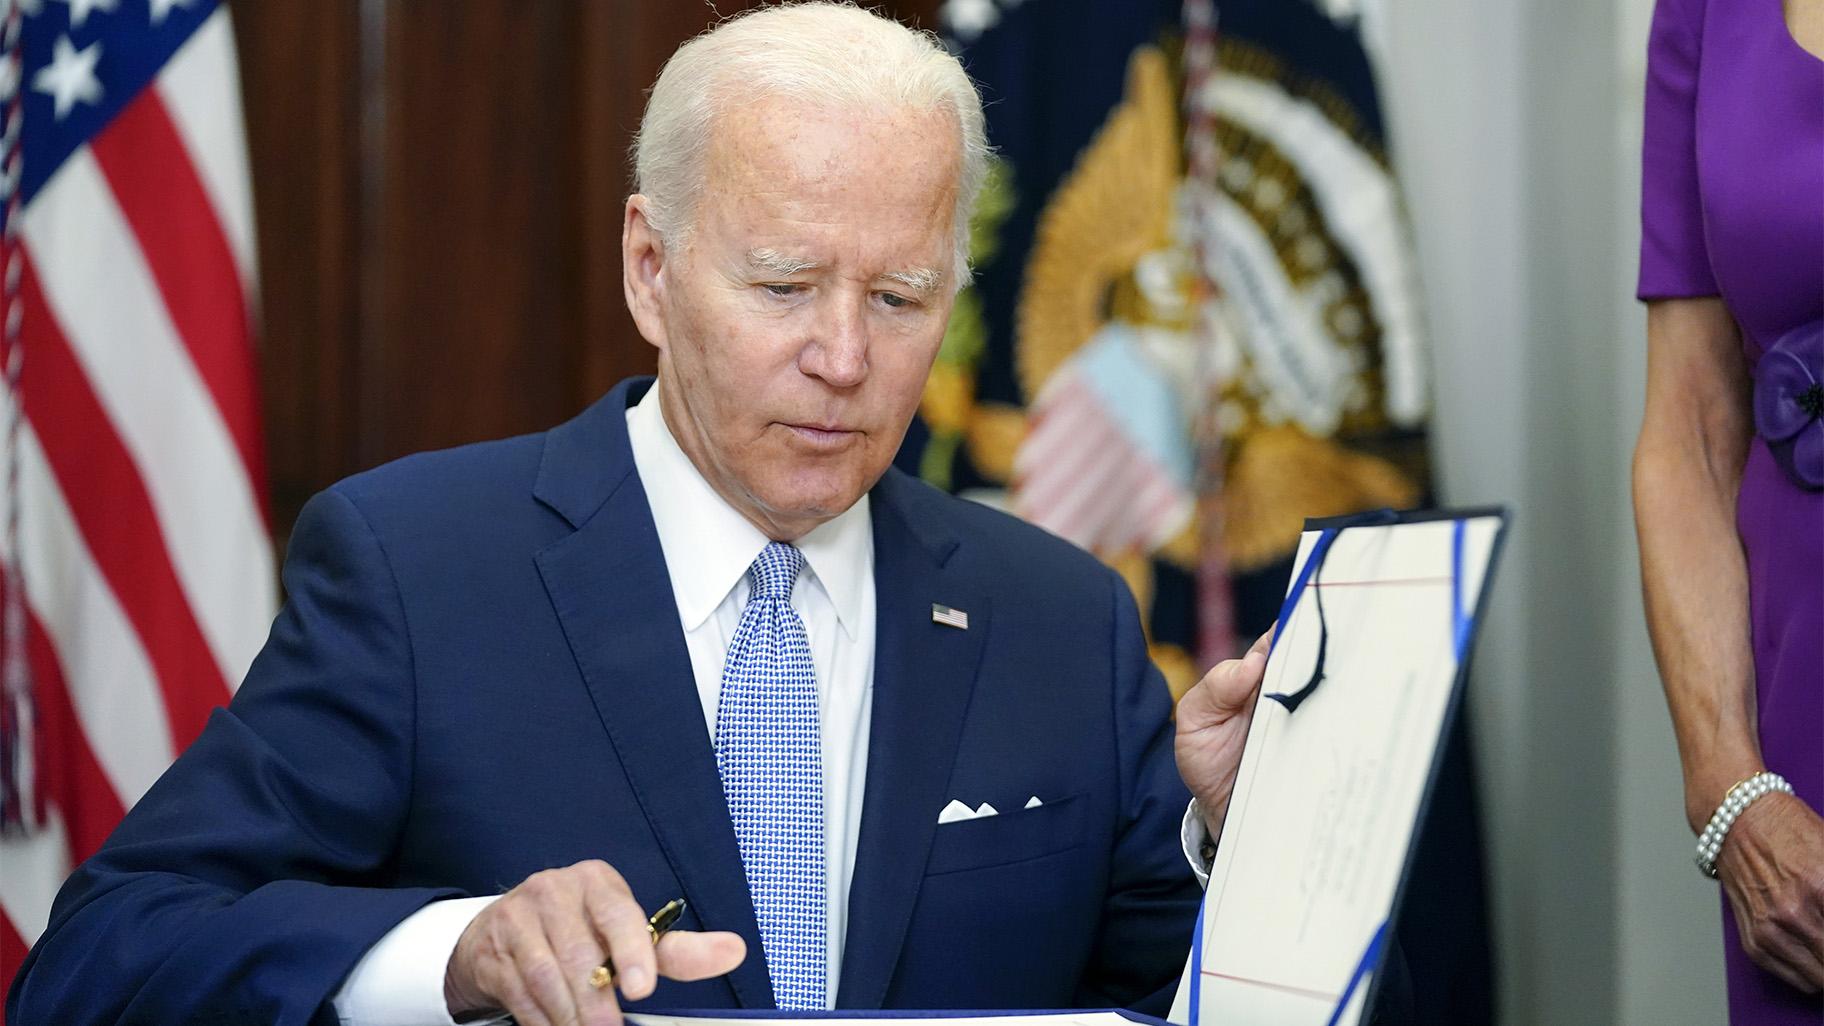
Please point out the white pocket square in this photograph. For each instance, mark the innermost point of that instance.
(956, 811)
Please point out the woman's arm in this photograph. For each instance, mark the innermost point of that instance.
(1687, 470)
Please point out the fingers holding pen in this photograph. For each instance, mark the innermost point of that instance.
(567, 945)
(553, 949)
(622, 927)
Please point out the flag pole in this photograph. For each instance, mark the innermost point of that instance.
(18, 804)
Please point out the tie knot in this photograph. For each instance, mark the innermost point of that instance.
(775, 571)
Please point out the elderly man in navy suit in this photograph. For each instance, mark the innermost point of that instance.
(894, 749)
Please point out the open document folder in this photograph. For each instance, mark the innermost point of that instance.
(1360, 687)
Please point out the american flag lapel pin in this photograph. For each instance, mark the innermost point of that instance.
(949, 617)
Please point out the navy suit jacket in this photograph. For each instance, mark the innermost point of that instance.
(479, 673)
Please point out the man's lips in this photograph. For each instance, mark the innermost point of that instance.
(823, 435)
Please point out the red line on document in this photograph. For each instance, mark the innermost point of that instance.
(1300, 991)
(1380, 584)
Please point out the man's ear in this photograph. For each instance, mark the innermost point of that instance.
(643, 271)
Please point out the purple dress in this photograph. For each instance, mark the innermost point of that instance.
(1732, 204)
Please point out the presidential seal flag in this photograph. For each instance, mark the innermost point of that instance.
(1196, 318)
(138, 564)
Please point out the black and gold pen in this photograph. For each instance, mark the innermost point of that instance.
(662, 920)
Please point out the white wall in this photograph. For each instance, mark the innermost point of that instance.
(1670, 942)
(1516, 132)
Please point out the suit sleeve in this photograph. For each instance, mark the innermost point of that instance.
(252, 877)
(1152, 894)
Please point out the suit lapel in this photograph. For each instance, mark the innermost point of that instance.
(924, 673)
(608, 583)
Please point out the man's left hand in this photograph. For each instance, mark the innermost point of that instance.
(1213, 719)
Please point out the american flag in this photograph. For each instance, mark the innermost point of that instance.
(949, 617)
(137, 558)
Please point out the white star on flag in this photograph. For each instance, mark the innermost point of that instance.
(79, 9)
(160, 8)
(968, 19)
(70, 76)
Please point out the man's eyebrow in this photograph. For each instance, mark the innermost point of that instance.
(775, 262)
(918, 279)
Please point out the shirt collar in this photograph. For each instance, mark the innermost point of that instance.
(708, 546)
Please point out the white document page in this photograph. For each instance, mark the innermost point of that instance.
(1329, 791)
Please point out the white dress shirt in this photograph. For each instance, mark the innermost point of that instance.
(708, 548)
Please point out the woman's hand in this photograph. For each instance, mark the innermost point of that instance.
(1772, 866)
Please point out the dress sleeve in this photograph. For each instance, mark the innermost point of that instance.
(1674, 259)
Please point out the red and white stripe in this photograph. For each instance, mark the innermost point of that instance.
(1080, 476)
(143, 542)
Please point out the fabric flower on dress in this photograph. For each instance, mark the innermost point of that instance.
(1789, 403)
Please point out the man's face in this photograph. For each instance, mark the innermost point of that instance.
(796, 328)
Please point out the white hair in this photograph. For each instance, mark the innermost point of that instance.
(833, 55)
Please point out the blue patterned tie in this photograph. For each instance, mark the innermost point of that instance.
(772, 774)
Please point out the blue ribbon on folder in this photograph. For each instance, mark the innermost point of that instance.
(1306, 575)
(1461, 620)
(1369, 962)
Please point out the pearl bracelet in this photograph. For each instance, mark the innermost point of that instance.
(1742, 795)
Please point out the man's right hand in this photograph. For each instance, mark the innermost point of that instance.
(531, 952)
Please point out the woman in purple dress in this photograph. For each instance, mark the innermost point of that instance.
(1729, 470)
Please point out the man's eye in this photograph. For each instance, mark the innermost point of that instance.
(894, 299)
(783, 289)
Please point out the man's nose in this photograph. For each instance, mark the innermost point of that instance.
(837, 351)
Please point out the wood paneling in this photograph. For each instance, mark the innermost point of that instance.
(478, 305)
(300, 72)
(438, 186)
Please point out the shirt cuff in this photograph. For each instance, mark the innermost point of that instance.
(1199, 849)
(399, 982)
